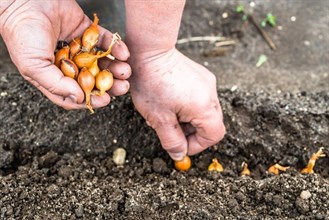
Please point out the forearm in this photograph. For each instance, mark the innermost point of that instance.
(152, 26)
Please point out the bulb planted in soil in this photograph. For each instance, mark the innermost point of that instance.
(245, 171)
(215, 166)
(276, 168)
(311, 163)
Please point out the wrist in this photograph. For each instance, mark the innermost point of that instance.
(148, 63)
(147, 46)
(146, 50)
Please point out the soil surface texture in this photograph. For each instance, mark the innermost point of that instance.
(57, 164)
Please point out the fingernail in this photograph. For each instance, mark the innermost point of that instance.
(177, 156)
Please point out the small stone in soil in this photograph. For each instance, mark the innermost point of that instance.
(305, 194)
(48, 159)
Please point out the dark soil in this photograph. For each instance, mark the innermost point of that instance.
(57, 164)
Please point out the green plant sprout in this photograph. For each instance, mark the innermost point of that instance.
(261, 60)
(270, 19)
(240, 8)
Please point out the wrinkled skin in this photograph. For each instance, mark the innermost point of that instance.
(31, 29)
(178, 98)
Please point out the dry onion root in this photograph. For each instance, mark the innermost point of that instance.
(79, 60)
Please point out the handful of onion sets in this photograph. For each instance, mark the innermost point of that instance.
(79, 60)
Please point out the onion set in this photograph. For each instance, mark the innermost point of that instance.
(91, 35)
(79, 60)
(104, 81)
(87, 82)
(184, 164)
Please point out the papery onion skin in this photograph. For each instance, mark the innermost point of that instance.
(69, 68)
(62, 53)
(104, 81)
(184, 164)
(86, 81)
(91, 35)
(94, 69)
(75, 47)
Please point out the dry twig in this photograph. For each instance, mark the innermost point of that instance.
(221, 41)
(262, 32)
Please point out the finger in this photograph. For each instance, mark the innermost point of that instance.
(119, 50)
(120, 87)
(104, 63)
(120, 70)
(209, 131)
(188, 129)
(100, 101)
(67, 103)
(50, 78)
(172, 138)
(70, 103)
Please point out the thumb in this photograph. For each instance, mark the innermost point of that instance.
(172, 139)
(61, 90)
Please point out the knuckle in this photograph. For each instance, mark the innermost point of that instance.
(215, 132)
(157, 120)
(172, 146)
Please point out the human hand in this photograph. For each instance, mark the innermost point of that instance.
(178, 98)
(31, 30)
